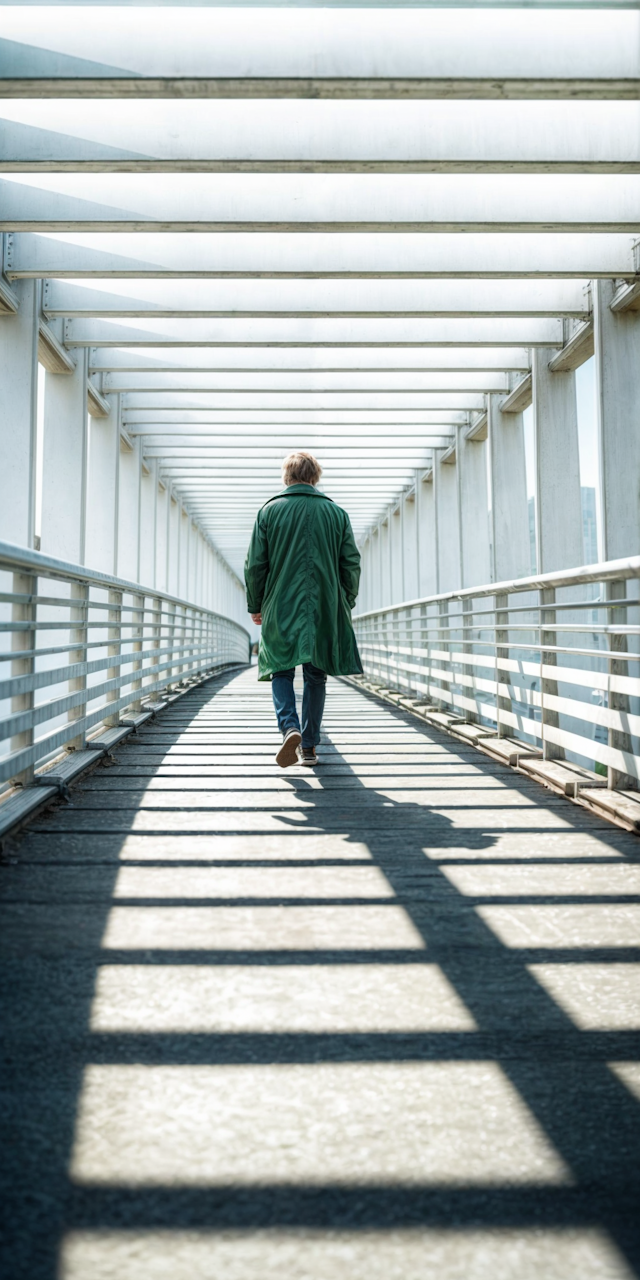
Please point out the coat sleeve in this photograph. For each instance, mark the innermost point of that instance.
(256, 566)
(349, 564)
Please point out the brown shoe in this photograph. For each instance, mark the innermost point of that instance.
(288, 752)
(307, 755)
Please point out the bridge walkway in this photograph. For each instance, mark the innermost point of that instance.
(380, 1019)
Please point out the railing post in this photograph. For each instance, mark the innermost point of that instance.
(78, 635)
(503, 704)
(114, 650)
(548, 658)
(24, 611)
(170, 644)
(137, 637)
(618, 739)
(467, 647)
(156, 642)
(443, 640)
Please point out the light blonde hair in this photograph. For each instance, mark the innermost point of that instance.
(301, 468)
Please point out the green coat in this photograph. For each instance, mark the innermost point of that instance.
(302, 573)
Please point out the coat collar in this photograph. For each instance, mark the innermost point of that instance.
(295, 490)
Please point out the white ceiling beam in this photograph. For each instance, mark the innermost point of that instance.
(321, 53)
(319, 137)
(319, 202)
(274, 333)
(318, 299)
(329, 455)
(373, 383)
(336, 402)
(315, 360)
(309, 417)
(316, 255)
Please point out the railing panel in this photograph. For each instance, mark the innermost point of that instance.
(79, 649)
(551, 660)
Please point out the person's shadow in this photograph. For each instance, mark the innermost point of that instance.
(560, 1071)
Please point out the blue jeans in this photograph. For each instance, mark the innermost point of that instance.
(284, 701)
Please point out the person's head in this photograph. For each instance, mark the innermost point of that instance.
(301, 468)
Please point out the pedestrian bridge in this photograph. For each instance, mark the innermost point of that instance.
(381, 1018)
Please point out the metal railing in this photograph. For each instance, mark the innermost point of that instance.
(80, 649)
(553, 660)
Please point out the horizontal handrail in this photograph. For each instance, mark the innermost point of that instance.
(560, 672)
(123, 645)
(14, 557)
(609, 571)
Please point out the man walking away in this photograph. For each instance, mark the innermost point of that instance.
(302, 573)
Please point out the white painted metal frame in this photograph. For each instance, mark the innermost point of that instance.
(551, 660)
(84, 648)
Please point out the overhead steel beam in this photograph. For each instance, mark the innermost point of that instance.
(272, 333)
(319, 137)
(318, 299)
(316, 202)
(315, 360)
(337, 452)
(51, 354)
(340, 401)
(8, 301)
(318, 255)
(164, 436)
(520, 398)
(373, 383)
(310, 417)
(318, 53)
(580, 347)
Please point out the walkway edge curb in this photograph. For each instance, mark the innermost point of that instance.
(53, 780)
(617, 808)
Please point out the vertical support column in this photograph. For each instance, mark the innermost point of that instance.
(548, 658)
(64, 462)
(401, 531)
(379, 591)
(409, 542)
(78, 636)
(102, 490)
(148, 522)
(161, 580)
(24, 610)
(557, 466)
(508, 478)
(417, 530)
(473, 498)
(617, 353)
(448, 540)
(18, 416)
(185, 537)
(428, 534)
(114, 649)
(173, 545)
(393, 555)
(128, 542)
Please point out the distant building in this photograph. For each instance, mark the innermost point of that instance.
(589, 526)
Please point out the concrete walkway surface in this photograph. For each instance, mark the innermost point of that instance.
(379, 1020)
